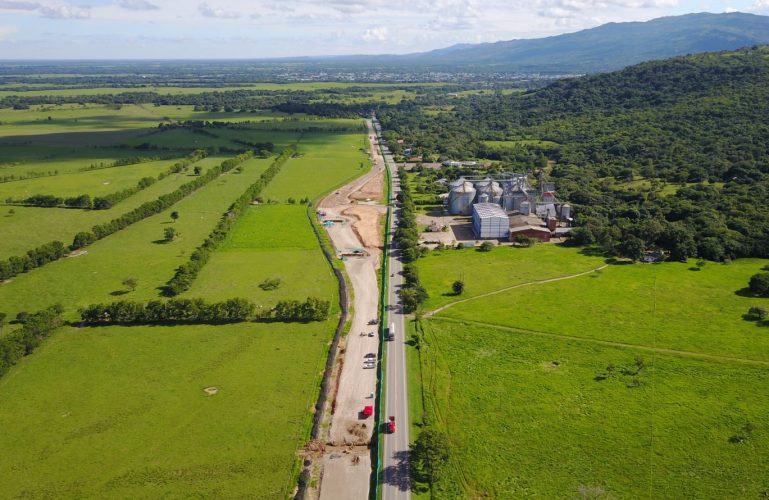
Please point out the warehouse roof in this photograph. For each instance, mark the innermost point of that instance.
(520, 229)
(485, 210)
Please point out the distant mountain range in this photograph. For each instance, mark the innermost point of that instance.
(605, 48)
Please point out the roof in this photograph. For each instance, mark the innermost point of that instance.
(489, 210)
(520, 229)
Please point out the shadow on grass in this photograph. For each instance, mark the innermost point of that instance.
(118, 293)
(747, 292)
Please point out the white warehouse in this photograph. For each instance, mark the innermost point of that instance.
(490, 221)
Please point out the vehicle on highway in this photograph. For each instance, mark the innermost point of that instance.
(369, 364)
(370, 355)
(373, 321)
(391, 332)
(391, 425)
(371, 334)
(367, 411)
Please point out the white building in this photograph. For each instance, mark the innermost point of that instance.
(490, 221)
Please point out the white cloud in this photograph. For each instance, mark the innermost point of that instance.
(137, 5)
(377, 34)
(216, 12)
(7, 31)
(759, 7)
(62, 11)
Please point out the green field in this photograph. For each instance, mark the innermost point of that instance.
(527, 418)
(62, 224)
(136, 251)
(121, 413)
(126, 405)
(270, 242)
(633, 381)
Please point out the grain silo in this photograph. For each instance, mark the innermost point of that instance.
(461, 197)
(525, 207)
(565, 211)
(488, 191)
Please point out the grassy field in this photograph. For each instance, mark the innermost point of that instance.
(121, 412)
(327, 161)
(98, 182)
(664, 306)
(503, 267)
(136, 251)
(530, 417)
(271, 241)
(62, 224)
(634, 381)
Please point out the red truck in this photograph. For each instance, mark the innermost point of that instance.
(368, 411)
(391, 425)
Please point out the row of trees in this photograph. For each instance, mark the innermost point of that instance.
(107, 201)
(23, 341)
(412, 294)
(198, 311)
(185, 274)
(172, 311)
(55, 250)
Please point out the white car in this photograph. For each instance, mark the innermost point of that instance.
(369, 364)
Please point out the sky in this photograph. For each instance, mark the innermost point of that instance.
(194, 29)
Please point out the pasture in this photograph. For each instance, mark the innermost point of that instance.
(269, 242)
(531, 416)
(122, 412)
(632, 381)
(137, 251)
(62, 224)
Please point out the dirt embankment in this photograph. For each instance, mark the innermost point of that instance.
(366, 225)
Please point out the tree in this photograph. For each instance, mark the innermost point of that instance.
(632, 247)
(174, 215)
(486, 246)
(524, 241)
(131, 283)
(430, 454)
(169, 234)
(458, 287)
(757, 312)
(2, 319)
(197, 170)
(759, 284)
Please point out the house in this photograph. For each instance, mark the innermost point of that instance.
(535, 232)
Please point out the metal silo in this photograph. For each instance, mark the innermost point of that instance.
(565, 211)
(525, 207)
(461, 197)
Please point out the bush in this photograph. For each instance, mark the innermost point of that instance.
(758, 313)
(486, 246)
(759, 284)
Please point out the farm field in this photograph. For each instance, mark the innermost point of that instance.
(334, 158)
(97, 182)
(633, 381)
(127, 406)
(136, 251)
(62, 224)
(503, 267)
(530, 417)
(269, 242)
(664, 306)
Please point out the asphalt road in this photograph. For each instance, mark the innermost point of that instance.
(395, 467)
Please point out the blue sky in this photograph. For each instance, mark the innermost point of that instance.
(147, 29)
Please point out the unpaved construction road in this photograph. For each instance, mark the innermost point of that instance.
(347, 474)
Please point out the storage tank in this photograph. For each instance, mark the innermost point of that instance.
(461, 197)
(491, 189)
(525, 207)
(565, 211)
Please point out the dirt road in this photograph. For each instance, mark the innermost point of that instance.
(347, 475)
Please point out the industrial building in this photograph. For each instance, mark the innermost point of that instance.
(509, 191)
(490, 221)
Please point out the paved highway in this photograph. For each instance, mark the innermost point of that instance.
(395, 466)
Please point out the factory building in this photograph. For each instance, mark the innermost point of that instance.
(490, 221)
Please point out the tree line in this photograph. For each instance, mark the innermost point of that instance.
(107, 201)
(199, 311)
(23, 341)
(185, 274)
(55, 250)
(406, 237)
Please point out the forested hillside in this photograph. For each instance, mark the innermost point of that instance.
(672, 153)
